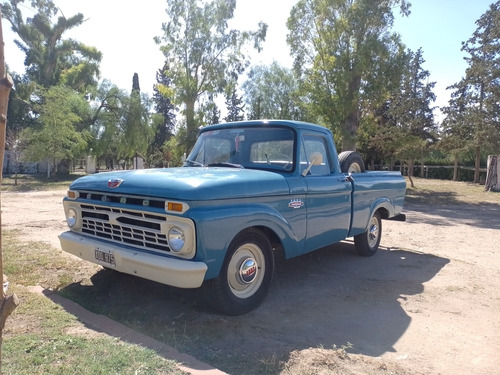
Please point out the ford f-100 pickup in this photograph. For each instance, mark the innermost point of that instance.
(247, 191)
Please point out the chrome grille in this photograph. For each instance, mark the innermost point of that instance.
(133, 228)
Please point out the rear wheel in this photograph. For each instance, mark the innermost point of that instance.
(245, 277)
(367, 243)
(351, 162)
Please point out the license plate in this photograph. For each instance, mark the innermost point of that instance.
(105, 256)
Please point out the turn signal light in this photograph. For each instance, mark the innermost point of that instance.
(173, 206)
(72, 194)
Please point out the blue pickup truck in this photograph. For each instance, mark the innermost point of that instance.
(247, 191)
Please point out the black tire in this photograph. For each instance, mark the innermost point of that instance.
(367, 243)
(245, 277)
(351, 162)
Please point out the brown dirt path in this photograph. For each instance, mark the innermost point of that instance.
(429, 301)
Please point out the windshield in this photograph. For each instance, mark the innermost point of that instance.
(269, 148)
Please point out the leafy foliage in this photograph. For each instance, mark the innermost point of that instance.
(235, 108)
(56, 137)
(351, 73)
(472, 121)
(203, 55)
(272, 92)
(344, 55)
(135, 125)
(108, 107)
(50, 59)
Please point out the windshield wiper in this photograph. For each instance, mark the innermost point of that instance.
(230, 165)
(194, 163)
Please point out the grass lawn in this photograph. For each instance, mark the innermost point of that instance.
(36, 182)
(40, 337)
(443, 192)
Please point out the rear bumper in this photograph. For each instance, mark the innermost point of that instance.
(175, 272)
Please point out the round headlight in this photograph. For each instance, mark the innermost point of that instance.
(176, 239)
(71, 218)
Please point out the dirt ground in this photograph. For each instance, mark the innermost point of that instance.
(428, 301)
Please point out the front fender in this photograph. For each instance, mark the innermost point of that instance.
(217, 227)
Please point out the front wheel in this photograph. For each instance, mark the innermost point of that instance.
(245, 277)
(367, 243)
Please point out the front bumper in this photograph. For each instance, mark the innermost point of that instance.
(175, 272)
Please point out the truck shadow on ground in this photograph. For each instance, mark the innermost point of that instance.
(331, 297)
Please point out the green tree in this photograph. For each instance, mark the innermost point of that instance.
(163, 122)
(109, 105)
(135, 126)
(208, 112)
(272, 92)
(203, 54)
(20, 113)
(56, 138)
(410, 110)
(51, 59)
(235, 107)
(346, 57)
(405, 126)
(473, 111)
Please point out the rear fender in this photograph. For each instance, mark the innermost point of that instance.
(383, 205)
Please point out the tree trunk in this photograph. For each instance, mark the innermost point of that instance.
(422, 165)
(455, 170)
(351, 123)
(411, 167)
(7, 304)
(477, 165)
(191, 129)
(493, 174)
(350, 129)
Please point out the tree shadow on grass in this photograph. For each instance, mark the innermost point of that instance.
(480, 215)
(429, 197)
(327, 298)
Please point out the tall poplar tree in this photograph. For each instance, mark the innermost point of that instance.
(136, 131)
(343, 53)
(203, 54)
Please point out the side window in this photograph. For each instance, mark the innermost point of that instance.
(313, 146)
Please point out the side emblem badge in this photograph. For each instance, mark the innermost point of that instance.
(296, 203)
(114, 183)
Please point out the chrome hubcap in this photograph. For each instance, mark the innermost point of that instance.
(373, 232)
(246, 270)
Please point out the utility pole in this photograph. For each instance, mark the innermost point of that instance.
(7, 303)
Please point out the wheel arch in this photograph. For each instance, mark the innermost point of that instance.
(384, 207)
(215, 233)
(272, 236)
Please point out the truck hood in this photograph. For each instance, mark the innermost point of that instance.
(187, 183)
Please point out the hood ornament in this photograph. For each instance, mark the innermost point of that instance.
(113, 183)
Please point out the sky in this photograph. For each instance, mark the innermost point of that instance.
(124, 33)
